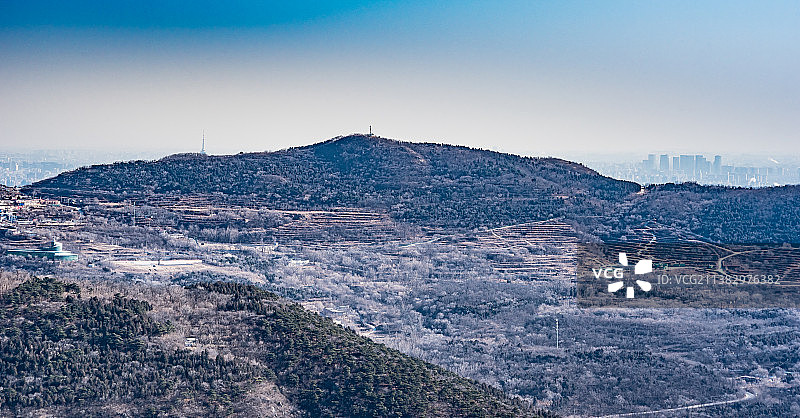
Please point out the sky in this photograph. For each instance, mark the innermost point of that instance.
(528, 77)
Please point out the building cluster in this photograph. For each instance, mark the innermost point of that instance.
(19, 170)
(679, 168)
(666, 168)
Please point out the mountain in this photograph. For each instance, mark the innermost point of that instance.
(430, 184)
(445, 186)
(85, 349)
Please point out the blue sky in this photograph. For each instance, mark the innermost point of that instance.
(518, 76)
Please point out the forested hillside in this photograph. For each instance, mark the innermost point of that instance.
(723, 214)
(430, 184)
(65, 352)
(443, 186)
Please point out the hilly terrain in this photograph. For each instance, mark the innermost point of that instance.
(443, 186)
(87, 349)
(429, 184)
(462, 258)
(720, 214)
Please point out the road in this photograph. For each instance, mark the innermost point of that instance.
(747, 395)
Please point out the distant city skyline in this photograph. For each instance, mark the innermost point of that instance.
(21, 168)
(744, 171)
(514, 76)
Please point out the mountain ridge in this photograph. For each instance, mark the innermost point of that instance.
(427, 183)
(443, 187)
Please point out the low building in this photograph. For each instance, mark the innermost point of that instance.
(52, 251)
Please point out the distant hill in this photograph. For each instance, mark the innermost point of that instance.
(433, 184)
(720, 214)
(214, 350)
(444, 186)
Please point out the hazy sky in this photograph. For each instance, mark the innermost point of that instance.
(519, 76)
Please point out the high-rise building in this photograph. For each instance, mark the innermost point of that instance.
(687, 164)
(676, 164)
(664, 164)
(717, 169)
(701, 165)
(706, 169)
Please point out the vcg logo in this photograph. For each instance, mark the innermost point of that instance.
(617, 274)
